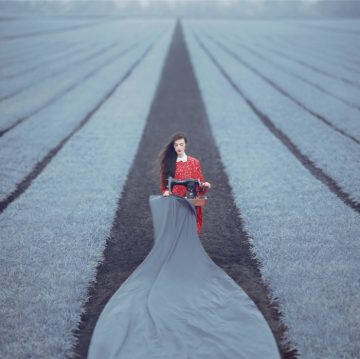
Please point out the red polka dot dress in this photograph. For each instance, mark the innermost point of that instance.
(189, 169)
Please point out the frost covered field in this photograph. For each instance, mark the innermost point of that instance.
(64, 119)
(283, 102)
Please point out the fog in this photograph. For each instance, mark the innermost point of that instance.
(185, 8)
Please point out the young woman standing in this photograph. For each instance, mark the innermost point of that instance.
(174, 162)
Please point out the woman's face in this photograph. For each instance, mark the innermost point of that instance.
(179, 146)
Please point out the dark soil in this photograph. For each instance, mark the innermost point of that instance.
(177, 106)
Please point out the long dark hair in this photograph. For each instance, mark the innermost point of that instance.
(167, 157)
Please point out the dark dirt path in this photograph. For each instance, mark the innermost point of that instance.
(177, 106)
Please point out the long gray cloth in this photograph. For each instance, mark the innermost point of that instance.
(178, 304)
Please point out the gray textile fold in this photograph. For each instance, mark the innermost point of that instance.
(178, 304)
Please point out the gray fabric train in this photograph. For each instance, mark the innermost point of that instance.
(178, 304)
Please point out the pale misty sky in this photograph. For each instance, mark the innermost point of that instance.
(147, 3)
(193, 8)
(171, 3)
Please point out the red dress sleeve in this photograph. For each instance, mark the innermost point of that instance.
(162, 187)
(200, 176)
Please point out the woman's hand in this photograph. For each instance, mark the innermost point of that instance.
(166, 193)
(206, 184)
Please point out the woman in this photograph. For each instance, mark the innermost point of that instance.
(178, 303)
(176, 163)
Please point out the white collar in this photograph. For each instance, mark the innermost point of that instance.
(183, 158)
